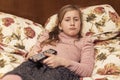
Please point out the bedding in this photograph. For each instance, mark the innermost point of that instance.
(107, 64)
(102, 23)
(17, 36)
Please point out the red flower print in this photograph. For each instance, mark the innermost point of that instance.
(29, 32)
(109, 69)
(114, 17)
(7, 21)
(89, 33)
(99, 10)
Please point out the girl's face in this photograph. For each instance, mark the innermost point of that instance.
(70, 24)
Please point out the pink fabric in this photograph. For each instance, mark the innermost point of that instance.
(81, 52)
(11, 77)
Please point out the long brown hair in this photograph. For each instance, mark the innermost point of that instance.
(53, 35)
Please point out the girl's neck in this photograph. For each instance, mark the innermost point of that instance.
(67, 36)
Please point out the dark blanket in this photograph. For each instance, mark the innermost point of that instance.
(36, 71)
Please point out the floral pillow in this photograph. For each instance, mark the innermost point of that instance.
(107, 64)
(107, 60)
(101, 21)
(51, 22)
(18, 32)
(17, 36)
(9, 61)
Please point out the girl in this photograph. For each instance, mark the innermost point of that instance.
(75, 55)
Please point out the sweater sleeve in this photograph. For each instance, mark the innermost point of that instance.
(37, 47)
(85, 67)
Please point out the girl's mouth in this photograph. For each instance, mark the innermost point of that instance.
(72, 28)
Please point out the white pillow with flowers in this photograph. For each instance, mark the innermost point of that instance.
(101, 21)
(17, 36)
(18, 32)
(107, 59)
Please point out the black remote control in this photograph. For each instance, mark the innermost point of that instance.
(40, 56)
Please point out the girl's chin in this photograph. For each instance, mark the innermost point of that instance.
(73, 34)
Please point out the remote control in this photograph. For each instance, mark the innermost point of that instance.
(40, 56)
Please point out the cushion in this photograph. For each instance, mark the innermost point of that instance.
(51, 22)
(107, 59)
(17, 36)
(18, 32)
(100, 21)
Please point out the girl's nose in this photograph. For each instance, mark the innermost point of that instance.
(72, 23)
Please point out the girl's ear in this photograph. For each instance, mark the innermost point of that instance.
(60, 27)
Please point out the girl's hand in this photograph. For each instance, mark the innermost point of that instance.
(54, 61)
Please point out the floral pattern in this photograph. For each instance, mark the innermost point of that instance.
(29, 32)
(107, 64)
(7, 21)
(100, 21)
(17, 36)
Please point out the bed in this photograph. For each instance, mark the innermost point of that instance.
(18, 35)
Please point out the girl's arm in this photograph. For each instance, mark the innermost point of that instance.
(86, 65)
(37, 47)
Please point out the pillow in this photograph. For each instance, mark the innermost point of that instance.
(18, 32)
(17, 36)
(51, 22)
(107, 59)
(99, 21)
(9, 61)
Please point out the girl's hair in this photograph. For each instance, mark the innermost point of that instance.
(53, 35)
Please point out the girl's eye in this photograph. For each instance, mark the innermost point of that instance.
(67, 20)
(76, 19)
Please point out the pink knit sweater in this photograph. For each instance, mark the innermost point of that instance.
(81, 52)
